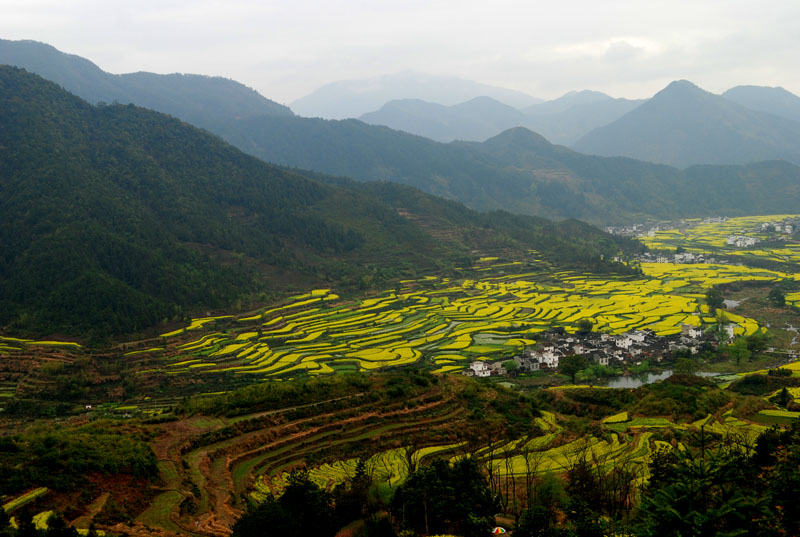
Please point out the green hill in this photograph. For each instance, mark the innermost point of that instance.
(117, 218)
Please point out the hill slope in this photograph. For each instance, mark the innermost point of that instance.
(683, 125)
(518, 171)
(117, 217)
(200, 100)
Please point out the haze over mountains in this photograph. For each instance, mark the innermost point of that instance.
(562, 121)
(352, 98)
(775, 101)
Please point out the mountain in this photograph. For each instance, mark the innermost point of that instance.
(563, 120)
(354, 98)
(684, 125)
(116, 218)
(200, 100)
(476, 120)
(568, 125)
(565, 102)
(517, 171)
(776, 101)
(530, 176)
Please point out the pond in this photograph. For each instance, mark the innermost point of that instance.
(634, 381)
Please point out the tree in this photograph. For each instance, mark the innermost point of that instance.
(693, 494)
(303, 510)
(57, 527)
(686, 366)
(441, 498)
(511, 366)
(738, 350)
(585, 325)
(783, 397)
(571, 364)
(714, 299)
(776, 297)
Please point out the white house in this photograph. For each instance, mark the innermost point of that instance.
(481, 369)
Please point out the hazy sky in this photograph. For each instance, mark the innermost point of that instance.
(286, 49)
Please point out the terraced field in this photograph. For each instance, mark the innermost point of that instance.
(448, 323)
(209, 464)
(436, 321)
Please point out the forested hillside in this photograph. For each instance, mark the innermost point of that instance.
(517, 171)
(117, 218)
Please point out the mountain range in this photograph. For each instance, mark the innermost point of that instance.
(117, 218)
(352, 98)
(527, 175)
(562, 121)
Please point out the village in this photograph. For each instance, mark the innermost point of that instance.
(627, 349)
(777, 229)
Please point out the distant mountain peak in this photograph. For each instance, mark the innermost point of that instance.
(585, 94)
(519, 137)
(684, 125)
(681, 87)
(567, 101)
(683, 83)
(354, 98)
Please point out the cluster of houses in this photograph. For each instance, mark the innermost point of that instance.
(650, 230)
(786, 226)
(678, 258)
(600, 348)
(741, 241)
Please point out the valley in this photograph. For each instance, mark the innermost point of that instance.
(203, 331)
(230, 403)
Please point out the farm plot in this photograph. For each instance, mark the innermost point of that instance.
(699, 237)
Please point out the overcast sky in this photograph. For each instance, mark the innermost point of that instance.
(286, 49)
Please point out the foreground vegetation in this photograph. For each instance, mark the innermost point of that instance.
(363, 439)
